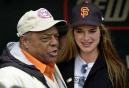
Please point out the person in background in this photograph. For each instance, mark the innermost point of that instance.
(89, 59)
(30, 62)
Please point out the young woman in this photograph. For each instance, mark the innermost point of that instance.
(91, 60)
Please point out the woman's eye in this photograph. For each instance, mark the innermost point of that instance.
(93, 30)
(78, 31)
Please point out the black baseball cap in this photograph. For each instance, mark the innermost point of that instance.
(86, 13)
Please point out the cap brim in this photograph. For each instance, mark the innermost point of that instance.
(44, 26)
(86, 23)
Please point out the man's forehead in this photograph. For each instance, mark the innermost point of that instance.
(48, 32)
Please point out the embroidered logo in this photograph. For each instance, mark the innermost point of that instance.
(43, 13)
(84, 11)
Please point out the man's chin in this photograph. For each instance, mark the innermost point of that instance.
(51, 60)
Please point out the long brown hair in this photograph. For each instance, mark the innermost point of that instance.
(116, 69)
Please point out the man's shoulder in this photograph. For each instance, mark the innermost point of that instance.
(11, 76)
(14, 74)
(10, 71)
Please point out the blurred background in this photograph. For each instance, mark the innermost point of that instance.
(115, 13)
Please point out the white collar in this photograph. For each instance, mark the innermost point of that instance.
(78, 64)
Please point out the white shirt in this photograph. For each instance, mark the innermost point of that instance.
(77, 71)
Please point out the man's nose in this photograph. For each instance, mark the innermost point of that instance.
(54, 41)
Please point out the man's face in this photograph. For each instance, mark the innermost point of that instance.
(44, 45)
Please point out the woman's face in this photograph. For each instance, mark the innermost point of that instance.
(87, 38)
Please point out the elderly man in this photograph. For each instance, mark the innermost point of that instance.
(30, 63)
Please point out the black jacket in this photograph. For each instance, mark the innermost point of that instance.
(97, 78)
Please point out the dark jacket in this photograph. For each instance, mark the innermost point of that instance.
(97, 78)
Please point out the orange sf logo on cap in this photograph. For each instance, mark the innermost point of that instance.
(84, 11)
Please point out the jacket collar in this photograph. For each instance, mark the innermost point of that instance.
(15, 51)
(99, 63)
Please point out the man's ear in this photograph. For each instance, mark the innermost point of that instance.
(24, 41)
